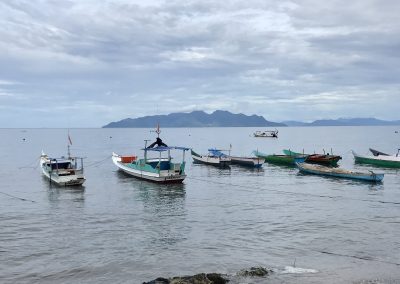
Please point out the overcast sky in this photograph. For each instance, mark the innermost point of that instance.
(86, 63)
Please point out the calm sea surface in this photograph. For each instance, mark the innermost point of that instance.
(117, 229)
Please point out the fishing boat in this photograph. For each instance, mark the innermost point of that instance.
(254, 162)
(215, 157)
(322, 159)
(388, 161)
(64, 171)
(266, 133)
(158, 169)
(338, 172)
(288, 160)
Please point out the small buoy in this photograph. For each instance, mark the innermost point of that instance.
(110, 137)
(23, 139)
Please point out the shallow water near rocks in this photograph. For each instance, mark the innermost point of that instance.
(116, 229)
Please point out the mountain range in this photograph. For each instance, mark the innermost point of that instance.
(344, 122)
(220, 118)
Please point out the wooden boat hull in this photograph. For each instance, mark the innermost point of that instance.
(212, 161)
(339, 173)
(222, 162)
(254, 162)
(330, 160)
(144, 173)
(276, 159)
(381, 161)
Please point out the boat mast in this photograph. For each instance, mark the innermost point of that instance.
(68, 145)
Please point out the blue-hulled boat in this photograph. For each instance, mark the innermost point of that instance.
(337, 172)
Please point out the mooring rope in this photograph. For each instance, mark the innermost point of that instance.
(97, 163)
(16, 197)
(30, 164)
(368, 258)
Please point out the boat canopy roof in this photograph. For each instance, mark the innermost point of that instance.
(163, 148)
(217, 153)
(59, 160)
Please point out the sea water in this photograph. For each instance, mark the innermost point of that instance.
(116, 229)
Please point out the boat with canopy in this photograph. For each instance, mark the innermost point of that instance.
(63, 171)
(159, 169)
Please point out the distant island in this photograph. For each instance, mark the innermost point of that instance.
(344, 122)
(218, 118)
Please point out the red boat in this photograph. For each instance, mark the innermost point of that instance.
(322, 159)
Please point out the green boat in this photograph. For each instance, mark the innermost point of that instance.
(288, 160)
(392, 161)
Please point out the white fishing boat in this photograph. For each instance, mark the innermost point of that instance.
(156, 169)
(214, 158)
(64, 171)
(266, 133)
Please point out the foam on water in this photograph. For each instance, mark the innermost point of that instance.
(298, 270)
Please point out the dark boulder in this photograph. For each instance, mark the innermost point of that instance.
(202, 278)
(159, 280)
(254, 272)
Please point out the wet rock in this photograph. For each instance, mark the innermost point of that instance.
(159, 280)
(254, 272)
(202, 278)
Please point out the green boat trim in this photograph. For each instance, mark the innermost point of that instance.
(381, 161)
(276, 159)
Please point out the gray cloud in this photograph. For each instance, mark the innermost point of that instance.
(109, 60)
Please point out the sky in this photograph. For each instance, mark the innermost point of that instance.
(85, 63)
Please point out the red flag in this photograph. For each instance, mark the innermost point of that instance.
(69, 139)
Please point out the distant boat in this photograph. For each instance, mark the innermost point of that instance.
(388, 161)
(338, 172)
(288, 160)
(62, 171)
(215, 158)
(157, 169)
(322, 159)
(266, 133)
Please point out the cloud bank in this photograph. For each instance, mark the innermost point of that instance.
(86, 63)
